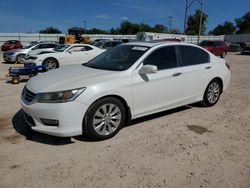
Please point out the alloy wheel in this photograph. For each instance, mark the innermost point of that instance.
(107, 119)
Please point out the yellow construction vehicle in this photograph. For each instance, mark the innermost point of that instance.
(71, 39)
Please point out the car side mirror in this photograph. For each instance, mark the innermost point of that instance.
(148, 69)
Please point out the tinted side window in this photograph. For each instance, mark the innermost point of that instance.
(87, 48)
(41, 46)
(193, 56)
(52, 45)
(163, 58)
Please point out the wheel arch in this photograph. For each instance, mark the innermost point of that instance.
(220, 81)
(57, 62)
(123, 101)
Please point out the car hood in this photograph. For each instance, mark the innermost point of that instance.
(69, 77)
(17, 50)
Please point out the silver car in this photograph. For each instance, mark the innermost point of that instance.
(32, 49)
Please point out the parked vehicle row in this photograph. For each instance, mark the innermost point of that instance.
(64, 54)
(32, 49)
(126, 82)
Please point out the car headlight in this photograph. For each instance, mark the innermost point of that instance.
(10, 54)
(59, 96)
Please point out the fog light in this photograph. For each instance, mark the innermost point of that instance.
(50, 122)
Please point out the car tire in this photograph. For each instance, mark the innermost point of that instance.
(223, 55)
(50, 63)
(18, 58)
(104, 118)
(212, 93)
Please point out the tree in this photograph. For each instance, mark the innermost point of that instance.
(96, 31)
(159, 28)
(76, 31)
(50, 30)
(227, 28)
(175, 31)
(128, 28)
(145, 27)
(243, 24)
(114, 31)
(194, 22)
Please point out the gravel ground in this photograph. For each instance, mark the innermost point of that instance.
(189, 146)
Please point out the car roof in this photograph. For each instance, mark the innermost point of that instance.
(154, 43)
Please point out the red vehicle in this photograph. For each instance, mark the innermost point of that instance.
(11, 44)
(217, 47)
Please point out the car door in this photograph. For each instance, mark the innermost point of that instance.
(160, 90)
(196, 72)
(89, 53)
(74, 55)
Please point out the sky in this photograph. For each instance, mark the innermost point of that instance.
(34, 15)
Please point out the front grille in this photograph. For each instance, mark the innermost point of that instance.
(28, 95)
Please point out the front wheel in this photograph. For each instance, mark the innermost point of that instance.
(223, 55)
(50, 63)
(104, 118)
(212, 93)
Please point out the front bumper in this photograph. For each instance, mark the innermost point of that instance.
(70, 116)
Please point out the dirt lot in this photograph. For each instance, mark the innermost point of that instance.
(186, 147)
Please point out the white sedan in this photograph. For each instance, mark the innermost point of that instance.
(64, 54)
(126, 82)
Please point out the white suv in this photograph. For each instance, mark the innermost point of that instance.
(129, 81)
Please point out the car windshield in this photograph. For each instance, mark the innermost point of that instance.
(207, 43)
(61, 48)
(29, 46)
(118, 58)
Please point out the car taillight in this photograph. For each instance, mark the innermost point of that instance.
(228, 66)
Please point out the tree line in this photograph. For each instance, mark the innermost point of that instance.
(241, 26)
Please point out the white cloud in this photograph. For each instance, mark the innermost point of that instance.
(129, 6)
(124, 18)
(103, 16)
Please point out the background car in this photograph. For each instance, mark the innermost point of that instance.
(110, 44)
(216, 47)
(11, 44)
(32, 49)
(246, 49)
(64, 54)
(129, 81)
(234, 47)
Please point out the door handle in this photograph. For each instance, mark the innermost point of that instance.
(176, 74)
(209, 67)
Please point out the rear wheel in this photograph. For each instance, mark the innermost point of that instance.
(212, 93)
(50, 63)
(223, 55)
(104, 118)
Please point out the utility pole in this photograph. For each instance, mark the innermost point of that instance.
(200, 26)
(84, 23)
(170, 21)
(187, 6)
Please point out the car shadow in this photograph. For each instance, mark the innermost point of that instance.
(157, 115)
(22, 128)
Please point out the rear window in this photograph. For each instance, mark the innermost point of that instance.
(207, 43)
(191, 55)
